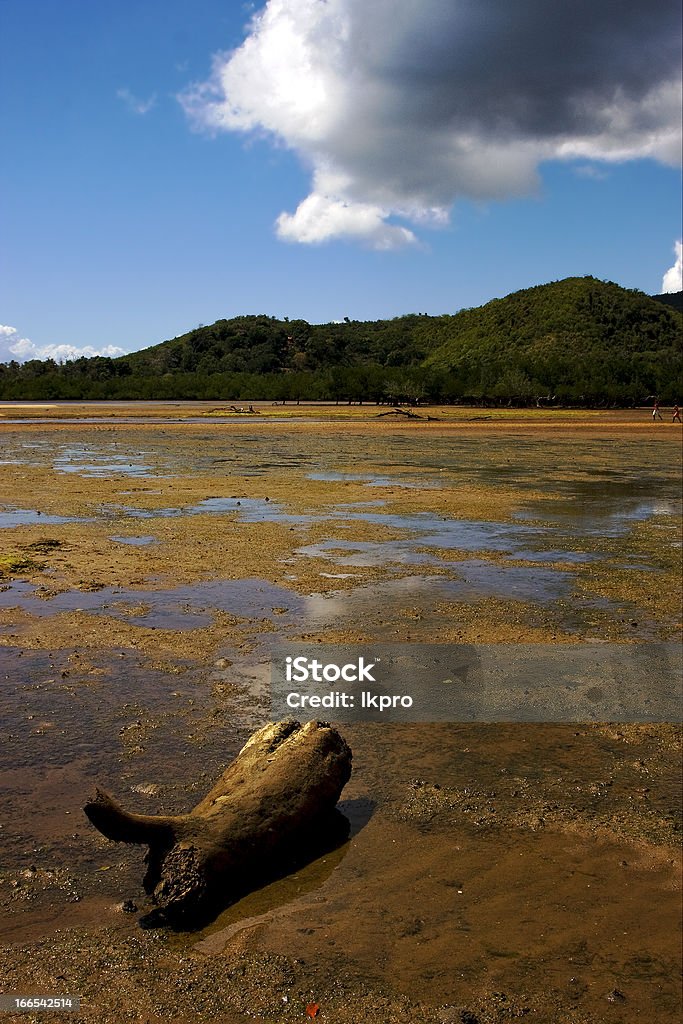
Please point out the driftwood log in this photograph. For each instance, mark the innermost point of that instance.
(401, 412)
(276, 798)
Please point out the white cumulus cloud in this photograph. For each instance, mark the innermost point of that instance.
(400, 108)
(324, 214)
(673, 279)
(21, 349)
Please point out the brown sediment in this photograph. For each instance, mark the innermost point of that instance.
(495, 871)
(504, 870)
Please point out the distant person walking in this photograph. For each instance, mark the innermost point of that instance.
(655, 411)
(676, 415)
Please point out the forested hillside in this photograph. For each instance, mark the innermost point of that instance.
(579, 341)
(674, 299)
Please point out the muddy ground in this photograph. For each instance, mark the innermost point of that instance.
(494, 871)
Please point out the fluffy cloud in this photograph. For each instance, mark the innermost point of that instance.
(21, 349)
(324, 214)
(401, 107)
(673, 279)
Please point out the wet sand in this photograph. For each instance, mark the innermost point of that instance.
(494, 871)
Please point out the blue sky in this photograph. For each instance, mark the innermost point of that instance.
(167, 164)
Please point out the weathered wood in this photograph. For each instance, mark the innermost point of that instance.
(276, 795)
(401, 412)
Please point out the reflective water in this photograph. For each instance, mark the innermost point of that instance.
(136, 541)
(588, 473)
(185, 607)
(373, 480)
(10, 517)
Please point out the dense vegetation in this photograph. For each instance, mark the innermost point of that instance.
(674, 299)
(575, 342)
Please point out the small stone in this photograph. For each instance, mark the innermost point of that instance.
(615, 996)
(129, 907)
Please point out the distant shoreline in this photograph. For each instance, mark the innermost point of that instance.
(328, 415)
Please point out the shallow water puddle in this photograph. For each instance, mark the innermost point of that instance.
(106, 462)
(10, 517)
(598, 517)
(264, 905)
(367, 553)
(375, 480)
(487, 579)
(61, 706)
(559, 522)
(247, 510)
(136, 541)
(70, 719)
(477, 580)
(454, 535)
(180, 608)
(193, 606)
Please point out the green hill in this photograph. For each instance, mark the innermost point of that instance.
(674, 299)
(576, 341)
(577, 337)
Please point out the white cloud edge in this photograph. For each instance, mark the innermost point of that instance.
(673, 278)
(320, 217)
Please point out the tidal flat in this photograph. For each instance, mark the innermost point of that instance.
(152, 556)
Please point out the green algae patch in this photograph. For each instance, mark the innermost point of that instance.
(13, 565)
